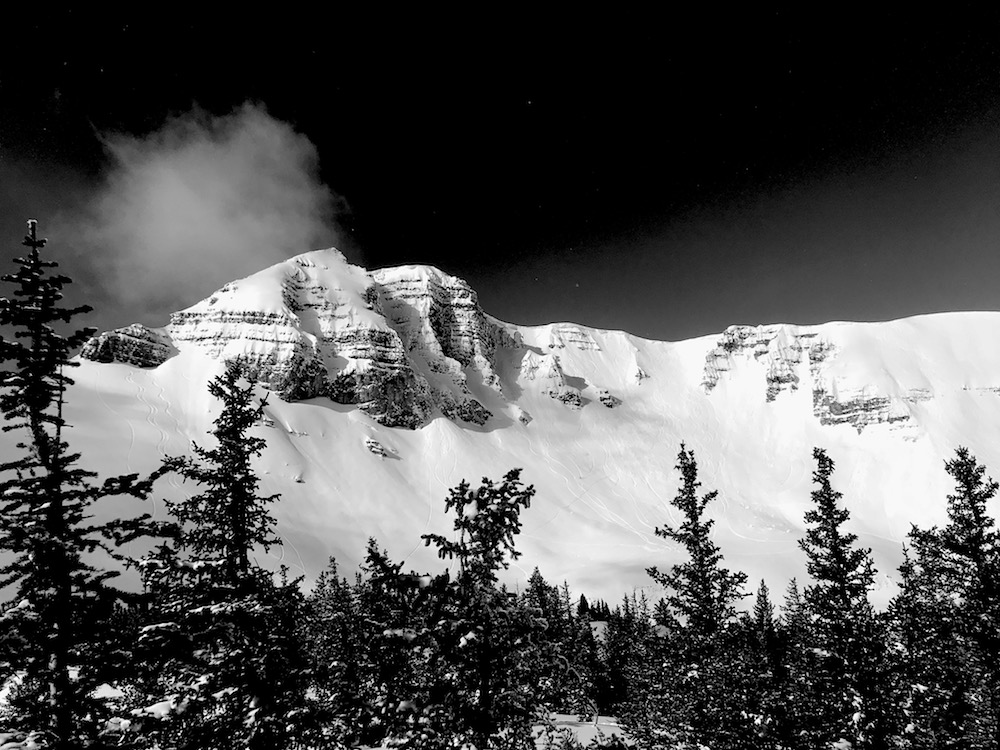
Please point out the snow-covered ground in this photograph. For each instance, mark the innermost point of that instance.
(918, 388)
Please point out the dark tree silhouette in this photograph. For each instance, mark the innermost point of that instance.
(53, 627)
(224, 644)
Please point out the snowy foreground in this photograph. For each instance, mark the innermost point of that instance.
(594, 418)
(583, 731)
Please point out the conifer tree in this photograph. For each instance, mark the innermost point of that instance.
(934, 665)
(401, 612)
(696, 693)
(701, 592)
(628, 646)
(790, 712)
(340, 667)
(494, 655)
(53, 628)
(570, 642)
(946, 618)
(844, 682)
(224, 641)
(459, 656)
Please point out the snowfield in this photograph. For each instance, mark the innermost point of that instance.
(595, 419)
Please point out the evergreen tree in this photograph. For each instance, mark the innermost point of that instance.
(934, 665)
(628, 646)
(460, 657)
(228, 519)
(763, 618)
(340, 669)
(224, 640)
(946, 619)
(543, 602)
(843, 658)
(54, 628)
(792, 662)
(494, 657)
(701, 592)
(698, 692)
(409, 679)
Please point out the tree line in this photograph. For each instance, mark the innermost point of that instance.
(216, 652)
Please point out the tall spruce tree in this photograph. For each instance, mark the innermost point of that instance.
(460, 658)
(946, 618)
(340, 666)
(53, 628)
(844, 685)
(935, 667)
(701, 592)
(491, 642)
(227, 667)
(696, 694)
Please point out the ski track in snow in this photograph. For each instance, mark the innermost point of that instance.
(283, 543)
(172, 479)
(598, 506)
(131, 428)
(444, 480)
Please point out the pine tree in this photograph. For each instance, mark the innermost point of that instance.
(459, 657)
(698, 692)
(224, 640)
(946, 619)
(627, 647)
(702, 593)
(54, 632)
(790, 712)
(494, 656)
(569, 641)
(844, 658)
(409, 680)
(340, 667)
(934, 665)
(226, 521)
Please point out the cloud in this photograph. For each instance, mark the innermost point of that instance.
(197, 203)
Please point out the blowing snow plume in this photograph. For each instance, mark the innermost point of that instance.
(200, 202)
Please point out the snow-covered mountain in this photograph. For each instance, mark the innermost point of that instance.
(389, 387)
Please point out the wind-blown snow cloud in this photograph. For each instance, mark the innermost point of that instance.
(199, 202)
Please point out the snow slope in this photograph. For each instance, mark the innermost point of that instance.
(595, 418)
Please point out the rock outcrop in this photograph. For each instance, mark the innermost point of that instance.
(778, 347)
(780, 350)
(554, 383)
(399, 344)
(133, 345)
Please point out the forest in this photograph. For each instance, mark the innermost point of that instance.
(214, 651)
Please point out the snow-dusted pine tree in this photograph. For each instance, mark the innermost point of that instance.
(337, 637)
(53, 626)
(696, 694)
(460, 657)
(843, 686)
(486, 637)
(946, 619)
(227, 667)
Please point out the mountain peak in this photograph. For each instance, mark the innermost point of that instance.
(399, 343)
(592, 416)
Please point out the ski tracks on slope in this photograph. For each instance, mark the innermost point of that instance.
(443, 479)
(595, 503)
(131, 441)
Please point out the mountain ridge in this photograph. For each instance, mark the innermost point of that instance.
(395, 385)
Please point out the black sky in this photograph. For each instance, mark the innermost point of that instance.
(665, 176)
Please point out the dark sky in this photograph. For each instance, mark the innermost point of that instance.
(666, 177)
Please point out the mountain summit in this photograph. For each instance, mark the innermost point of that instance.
(391, 386)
